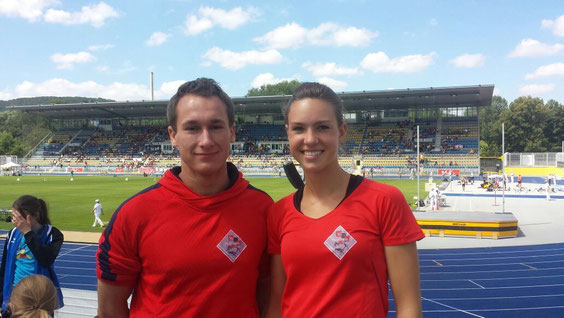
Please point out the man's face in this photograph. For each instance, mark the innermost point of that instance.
(202, 135)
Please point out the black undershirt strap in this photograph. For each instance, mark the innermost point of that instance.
(354, 182)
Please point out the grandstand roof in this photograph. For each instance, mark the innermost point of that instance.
(421, 98)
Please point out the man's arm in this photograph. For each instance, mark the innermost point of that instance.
(112, 300)
(278, 281)
(263, 284)
(403, 270)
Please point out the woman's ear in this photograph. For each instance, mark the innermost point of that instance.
(342, 132)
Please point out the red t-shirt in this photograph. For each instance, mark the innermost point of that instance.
(335, 265)
(187, 255)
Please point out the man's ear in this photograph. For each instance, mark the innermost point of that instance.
(232, 133)
(172, 136)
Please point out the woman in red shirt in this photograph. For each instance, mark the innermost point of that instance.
(338, 240)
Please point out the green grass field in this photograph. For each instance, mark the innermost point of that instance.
(70, 203)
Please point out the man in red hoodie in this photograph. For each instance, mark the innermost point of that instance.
(192, 245)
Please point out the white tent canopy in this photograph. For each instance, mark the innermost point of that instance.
(9, 165)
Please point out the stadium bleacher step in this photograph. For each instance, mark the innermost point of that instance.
(78, 303)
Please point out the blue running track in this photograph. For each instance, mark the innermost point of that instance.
(520, 281)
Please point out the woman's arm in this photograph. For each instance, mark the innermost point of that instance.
(278, 281)
(403, 270)
(45, 254)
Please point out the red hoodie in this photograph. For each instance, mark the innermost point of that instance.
(187, 255)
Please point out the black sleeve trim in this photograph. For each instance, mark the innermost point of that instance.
(105, 247)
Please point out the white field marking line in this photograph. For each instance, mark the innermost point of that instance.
(482, 265)
(76, 268)
(473, 282)
(80, 262)
(520, 308)
(492, 258)
(72, 250)
(437, 263)
(502, 287)
(489, 253)
(460, 310)
(500, 271)
(75, 284)
(490, 279)
(529, 266)
(500, 297)
(502, 309)
(76, 275)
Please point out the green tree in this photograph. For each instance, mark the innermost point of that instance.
(490, 131)
(282, 88)
(7, 142)
(555, 125)
(525, 125)
(25, 129)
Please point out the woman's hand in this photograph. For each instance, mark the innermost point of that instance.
(21, 223)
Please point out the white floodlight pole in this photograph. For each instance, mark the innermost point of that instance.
(503, 164)
(152, 89)
(418, 171)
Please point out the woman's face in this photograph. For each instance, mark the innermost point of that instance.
(24, 214)
(314, 134)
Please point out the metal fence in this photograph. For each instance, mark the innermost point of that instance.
(536, 159)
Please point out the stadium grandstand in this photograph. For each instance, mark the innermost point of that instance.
(131, 137)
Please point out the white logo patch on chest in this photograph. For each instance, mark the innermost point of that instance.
(231, 245)
(340, 242)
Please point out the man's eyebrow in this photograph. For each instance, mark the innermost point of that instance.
(315, 123)
(196, 122)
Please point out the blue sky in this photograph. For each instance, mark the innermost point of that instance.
(108, 48)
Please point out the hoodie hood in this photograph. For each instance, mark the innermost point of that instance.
(237, 184)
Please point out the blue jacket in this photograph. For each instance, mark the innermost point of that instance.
(44, 246)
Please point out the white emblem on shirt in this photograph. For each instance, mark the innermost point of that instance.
(232, 245)
(340, 242)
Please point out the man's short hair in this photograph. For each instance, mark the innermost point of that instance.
(204, 87)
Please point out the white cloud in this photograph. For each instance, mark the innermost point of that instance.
(102, 68)
(95, 15)
(63, 87)
(536, 89)
(5, 95)
(168, 89)
(31, 10)
(329, 69)
(236, 60)
(268, 79)
(333, 83)
(67, 61)
(380, 63)
(290, 35)
(556, 69)
(157, 38)
(293, 35)
(534, 48)
(209, 17)
(497, 91)
(557, 26)
(101, 47)
(469, 60)
(116, 91)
